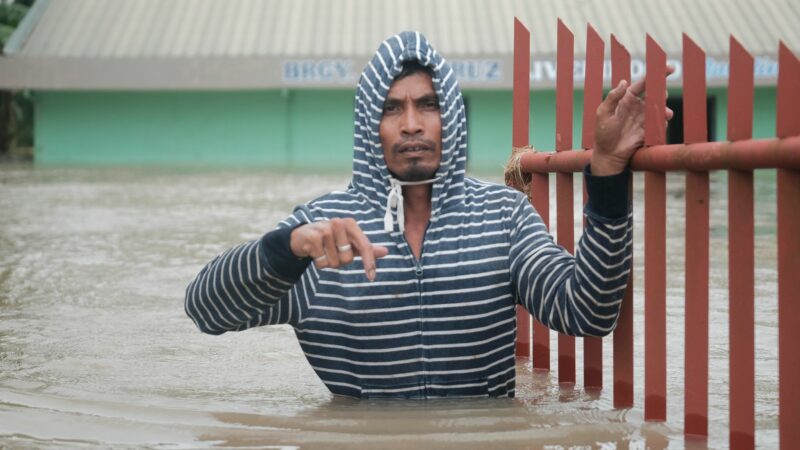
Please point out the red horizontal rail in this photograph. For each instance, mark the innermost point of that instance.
(705, 156)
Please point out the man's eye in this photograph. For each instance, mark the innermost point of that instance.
(432, 104)
(389, 108)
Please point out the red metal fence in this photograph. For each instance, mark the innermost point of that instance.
(739, 155)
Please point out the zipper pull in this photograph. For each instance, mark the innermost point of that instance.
(418, 270)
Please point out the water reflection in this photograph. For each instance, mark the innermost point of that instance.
(95, 350)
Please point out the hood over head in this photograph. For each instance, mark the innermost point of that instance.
(371, 177)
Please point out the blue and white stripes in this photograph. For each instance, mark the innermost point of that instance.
(440, 326)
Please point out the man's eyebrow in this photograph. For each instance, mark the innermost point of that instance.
(395, 101)
(428, 97)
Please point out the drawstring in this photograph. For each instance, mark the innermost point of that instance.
(395, 200)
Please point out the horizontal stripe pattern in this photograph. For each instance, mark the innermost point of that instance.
(578, 296)
(448, 332)
(441, 326)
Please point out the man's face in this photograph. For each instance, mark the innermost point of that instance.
(411, 129)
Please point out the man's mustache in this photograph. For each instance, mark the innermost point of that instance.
(408, 144)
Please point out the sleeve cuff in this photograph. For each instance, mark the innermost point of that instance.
(608, 195)
(277, 252)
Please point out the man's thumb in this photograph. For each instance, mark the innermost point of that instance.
(380, 251)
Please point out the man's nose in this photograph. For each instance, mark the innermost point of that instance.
(412, 121)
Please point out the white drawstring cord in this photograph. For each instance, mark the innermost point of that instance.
(395, 200)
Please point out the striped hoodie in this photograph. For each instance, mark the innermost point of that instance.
(443, 325)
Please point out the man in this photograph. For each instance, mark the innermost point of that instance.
(405, 284)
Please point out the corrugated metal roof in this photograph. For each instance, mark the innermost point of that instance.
(161, 34)
(233, 28)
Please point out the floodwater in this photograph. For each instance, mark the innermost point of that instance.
(96, 351)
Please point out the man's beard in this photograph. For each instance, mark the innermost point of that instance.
(415, 172)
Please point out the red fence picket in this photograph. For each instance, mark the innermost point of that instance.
(655, 242)
(565, 230)
(697, 157)
(788, 125)
(592, 96)
(520, 138)
(623, 334)
(697, 238)
(741, 258)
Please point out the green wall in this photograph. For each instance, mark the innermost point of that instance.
(280, 128)
(489, 118)
(764, 118)
(270, 128)
(158, 128)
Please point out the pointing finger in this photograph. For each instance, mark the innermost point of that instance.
(363, 247)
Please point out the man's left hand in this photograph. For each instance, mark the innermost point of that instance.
(619, 127)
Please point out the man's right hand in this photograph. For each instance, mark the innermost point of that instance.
(334, 243)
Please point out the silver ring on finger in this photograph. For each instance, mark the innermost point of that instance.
(321, 258)
(344, 248)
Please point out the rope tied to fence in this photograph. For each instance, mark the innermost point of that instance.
(513, 173)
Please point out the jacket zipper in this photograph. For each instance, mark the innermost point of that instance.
(418, 272)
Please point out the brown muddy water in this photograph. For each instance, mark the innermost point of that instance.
(96, 352)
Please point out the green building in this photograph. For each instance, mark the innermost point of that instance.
(271, 82)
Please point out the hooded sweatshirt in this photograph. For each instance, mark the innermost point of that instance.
(443, 324)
